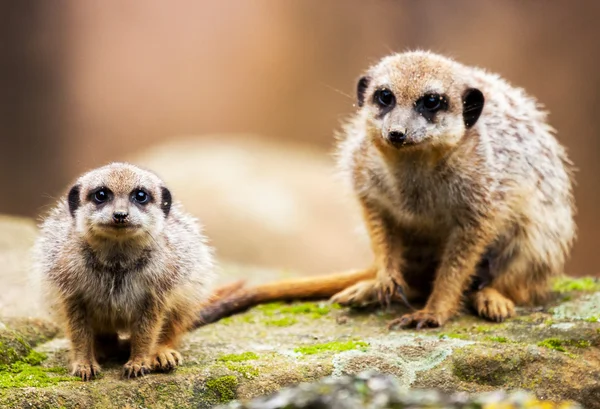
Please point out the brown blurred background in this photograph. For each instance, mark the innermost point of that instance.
(235, 104)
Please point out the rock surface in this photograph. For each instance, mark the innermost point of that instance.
(376, 391)
(552, 351)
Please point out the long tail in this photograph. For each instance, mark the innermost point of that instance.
(308, 288)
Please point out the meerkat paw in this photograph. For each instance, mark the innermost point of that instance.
(135, 367)
(360, 294)
(419, 319)
(389, 288)
(166, 359)
(492, 305)
(87, 369)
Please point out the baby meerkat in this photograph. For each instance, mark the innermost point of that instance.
(465, 192)
(116, 255)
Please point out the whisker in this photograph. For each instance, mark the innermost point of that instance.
(339, 92)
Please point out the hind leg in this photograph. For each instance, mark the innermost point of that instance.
(492, 305)
(510, 276)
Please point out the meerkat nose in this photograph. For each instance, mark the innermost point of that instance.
(120, 217)
(396, 137)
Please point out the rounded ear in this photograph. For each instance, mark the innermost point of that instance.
(473, 102)
(73, 199)
(165, 201)
(361, 88)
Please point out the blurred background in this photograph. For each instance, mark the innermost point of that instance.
(235, 104)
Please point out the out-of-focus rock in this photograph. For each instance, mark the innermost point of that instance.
(377, 391)
(17, 296)
(263, 202)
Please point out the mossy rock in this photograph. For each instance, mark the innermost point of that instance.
(542, 350)
(553, 351)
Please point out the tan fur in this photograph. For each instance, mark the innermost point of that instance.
(502, 186)
(455, 202)
(148, 280)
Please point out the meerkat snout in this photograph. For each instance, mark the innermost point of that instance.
(120, 217)
(396, 138)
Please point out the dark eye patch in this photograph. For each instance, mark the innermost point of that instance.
(384, 99)
(430, 104)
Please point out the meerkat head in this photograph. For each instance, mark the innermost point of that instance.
(418, 98)
(119, 202)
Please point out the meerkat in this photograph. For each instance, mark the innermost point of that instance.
(116, 256)
(465, 192)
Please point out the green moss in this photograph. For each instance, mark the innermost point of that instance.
(580, 343)
(250, 319)
(454, 335)
(560, 344)
(594, 318)
(566, 298)
(8, 354)
(34, 358)
(223, 387)
(481, 329)
(246, 356)
(281, 322)
(549, 322)
(567, 284)
(553, 343)
(27, 372)
(247, 371)
(226, 321)
(12, 347)
(330, 346)
(314, 310)
(498, 339)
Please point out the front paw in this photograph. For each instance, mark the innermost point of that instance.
(86, 369)
(166, 359)
(492, 305)
(420, 319)
(135, 367)
(389, 288)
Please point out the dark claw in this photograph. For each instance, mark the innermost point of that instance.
(400, 292)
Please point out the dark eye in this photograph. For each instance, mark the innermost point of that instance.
(140, 196)
(432, 102)
(384, 98)
(101, 196)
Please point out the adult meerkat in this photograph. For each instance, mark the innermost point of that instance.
(463, 187)
(118, 255)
